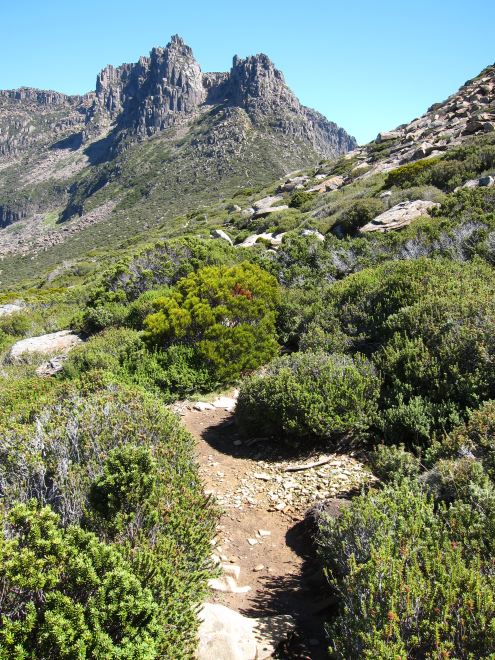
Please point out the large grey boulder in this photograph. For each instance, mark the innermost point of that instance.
(398, 216)
(266, 202)
(10, 308)
(313, 232)
(56, 342)
(227, 635)
(275, 240)
(262, 213)
(385, 136)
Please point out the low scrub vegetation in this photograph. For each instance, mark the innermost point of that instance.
(382, 343)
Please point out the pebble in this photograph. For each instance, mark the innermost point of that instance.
(264, 532)
(252, 541)
(258, 568)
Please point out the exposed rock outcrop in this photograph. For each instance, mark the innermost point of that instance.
(469, 111)
(154, 93)
(56, 342)
(399, 216)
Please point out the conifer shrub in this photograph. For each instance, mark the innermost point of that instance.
(359, 214)
(310, 397)
(392, 463)
(227, 315)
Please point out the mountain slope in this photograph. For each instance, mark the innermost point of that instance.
(155, 139)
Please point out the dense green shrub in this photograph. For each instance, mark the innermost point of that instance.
(406, 589)
(102, 316)
(116, 350)
(300, 198)
(359, 214)
(476, 436)
(310, 396)
(412, 174)
(118, 463)
(428, 325)
(226, 314)
(393, 463)
(68, 595)
(172, 373)
(458, 165)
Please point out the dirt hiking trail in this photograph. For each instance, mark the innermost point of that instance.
(262, 541)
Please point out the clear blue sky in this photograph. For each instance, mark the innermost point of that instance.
(368, 65)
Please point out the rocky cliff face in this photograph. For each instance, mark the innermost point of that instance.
(168, 87)
(36, 117)
(154, 93)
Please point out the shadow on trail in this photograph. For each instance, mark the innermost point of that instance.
(304, 595)
(223, 435)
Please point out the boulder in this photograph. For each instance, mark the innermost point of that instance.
(425, 149)
(332, 183)
(10, 308)
(225, 402)
(385, 136)
(313, 232)
(201, 406)
(472, 183)
(489, 126)
(227, 635)
(56, 342)
(273, 239)
(263, 212)
(296, 183)
(266, 202)
(219, 233)
(51, 367)
(486, 181)
(398, 216)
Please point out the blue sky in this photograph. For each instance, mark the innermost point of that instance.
(369, 66)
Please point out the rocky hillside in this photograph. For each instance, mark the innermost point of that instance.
(155, 138)
(470, 111)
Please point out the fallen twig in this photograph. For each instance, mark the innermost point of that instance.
(308, 466)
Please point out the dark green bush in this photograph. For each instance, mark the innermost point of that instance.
(226, 314)
(310, 396)
(68, 595)
(392, 463)
(359, 214)
(300, 198)
(412, 174)
(174, 372)
(406, 589)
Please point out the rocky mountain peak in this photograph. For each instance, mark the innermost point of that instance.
(153, 93)
(257, 85)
